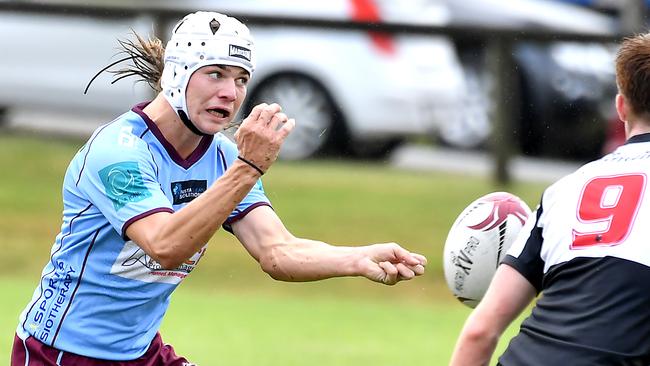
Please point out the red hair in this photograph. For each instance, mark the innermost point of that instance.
(633, 73)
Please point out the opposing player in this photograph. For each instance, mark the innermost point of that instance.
(147, 191)
(586, 250)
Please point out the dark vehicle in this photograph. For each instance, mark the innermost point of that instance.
(565, 108)
(565, 89)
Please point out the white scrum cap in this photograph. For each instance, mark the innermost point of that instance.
(201, 39)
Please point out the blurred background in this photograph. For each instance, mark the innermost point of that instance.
(406, 112)
(363, 77)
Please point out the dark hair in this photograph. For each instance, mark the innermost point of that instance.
(146, 61)
(633, 73)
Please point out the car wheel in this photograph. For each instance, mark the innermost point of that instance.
(305, 100)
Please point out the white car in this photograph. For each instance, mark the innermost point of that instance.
(346, 91)
(48, 60)
(350, 90)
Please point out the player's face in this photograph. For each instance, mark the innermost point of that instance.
(214, 95)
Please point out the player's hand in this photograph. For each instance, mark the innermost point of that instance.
(262, 133)
(389, 263)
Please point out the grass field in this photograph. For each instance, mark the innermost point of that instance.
(229, 312)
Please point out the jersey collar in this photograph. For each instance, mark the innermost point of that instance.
(196, 155)
(644, 137)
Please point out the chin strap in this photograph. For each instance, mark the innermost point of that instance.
(189, 124)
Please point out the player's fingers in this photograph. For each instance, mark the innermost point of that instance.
(287, 127)
(418, 269)
(278, 120)
(268, 112)
(390, 272)
(421, 258)
(405, 256)
(404, 272)
(257, 110)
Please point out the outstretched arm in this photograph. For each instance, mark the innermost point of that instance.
(288, 258)
(508, 295)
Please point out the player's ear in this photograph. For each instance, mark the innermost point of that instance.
(621, 107)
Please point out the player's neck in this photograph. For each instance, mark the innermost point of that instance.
(636, 127)
(170, 125)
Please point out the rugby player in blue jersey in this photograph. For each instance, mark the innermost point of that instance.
(586, 250)
(148, 190)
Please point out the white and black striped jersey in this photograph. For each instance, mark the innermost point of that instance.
(587, 250)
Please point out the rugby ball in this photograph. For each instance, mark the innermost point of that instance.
(478, 240)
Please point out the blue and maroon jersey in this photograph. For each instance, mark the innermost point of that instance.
(100, 295)
(587, 250)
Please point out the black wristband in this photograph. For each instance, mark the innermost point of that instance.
(251, 164)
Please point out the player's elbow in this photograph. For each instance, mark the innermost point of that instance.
(170, 263)
(166, 257)
(480, 333)
(272, 260)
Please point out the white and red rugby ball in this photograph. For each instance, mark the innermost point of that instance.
(478, 240)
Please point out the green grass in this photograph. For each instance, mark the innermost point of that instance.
(228, 311)
(240, 328)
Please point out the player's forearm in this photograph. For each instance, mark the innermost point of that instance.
(186, 231)
(473, 350)
(308, 260)
(480, 335)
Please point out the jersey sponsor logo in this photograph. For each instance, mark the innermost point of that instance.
(124, 184)
(49, 308)
(134, 263)
(186, 191)
(126, 137)
(241, 52)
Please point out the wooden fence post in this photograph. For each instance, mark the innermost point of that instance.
(504, 84)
